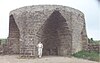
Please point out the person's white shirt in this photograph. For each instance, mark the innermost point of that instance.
(40, 45)
(40, 48)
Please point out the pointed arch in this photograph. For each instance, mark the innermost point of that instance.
(13, 28)
(14, 35)
(55, 35)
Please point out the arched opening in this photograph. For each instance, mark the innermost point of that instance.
(13, 28)
(51, 32)
(14, 35)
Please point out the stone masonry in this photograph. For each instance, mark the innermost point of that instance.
(61, 29)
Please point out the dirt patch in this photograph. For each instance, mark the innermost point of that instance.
(46, 59)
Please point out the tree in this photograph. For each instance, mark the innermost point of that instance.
(92, 39)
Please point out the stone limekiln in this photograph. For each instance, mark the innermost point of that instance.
(61, 29)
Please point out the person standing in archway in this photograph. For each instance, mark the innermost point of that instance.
(40, 48)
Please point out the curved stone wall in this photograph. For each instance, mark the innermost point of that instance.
(60, 28)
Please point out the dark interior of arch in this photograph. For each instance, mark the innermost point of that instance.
(13, 28)
(49, 33)
(14, 36)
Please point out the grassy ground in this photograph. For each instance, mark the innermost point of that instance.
(3, 41)
(94, 56)
(96, 42)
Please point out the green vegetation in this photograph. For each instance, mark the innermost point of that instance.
(94, 56)
(95, 42)
(3, 41)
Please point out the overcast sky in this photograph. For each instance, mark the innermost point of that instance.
(89, 7)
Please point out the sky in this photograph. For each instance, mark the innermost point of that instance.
(90, 8)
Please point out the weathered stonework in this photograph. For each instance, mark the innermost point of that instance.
(61, 29)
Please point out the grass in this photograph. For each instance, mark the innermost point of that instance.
(94, 56)
(3, 41)
(96, 42)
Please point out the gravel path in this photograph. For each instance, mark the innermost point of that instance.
(47, 59)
